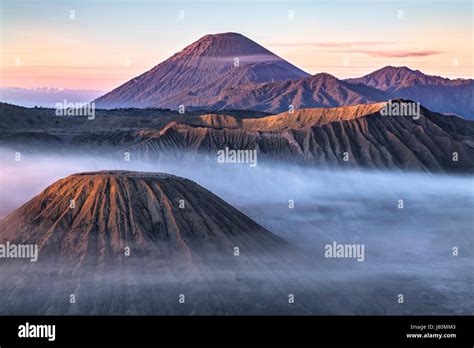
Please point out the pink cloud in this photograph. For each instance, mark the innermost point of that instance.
(331, 44)
(357, 47)
(401, 54)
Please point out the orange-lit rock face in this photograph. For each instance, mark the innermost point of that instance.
(92, 217)
(296, 119)
(324, 136)
(363, 134)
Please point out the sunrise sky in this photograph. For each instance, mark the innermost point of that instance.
(98, 45)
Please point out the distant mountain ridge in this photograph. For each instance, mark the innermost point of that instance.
(229, 71)
(316, 137)
(435, 92)
(392, 78)
(320, 90)
(321, 136)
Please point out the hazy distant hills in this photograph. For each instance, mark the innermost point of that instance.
(47, 97)
(230, 71)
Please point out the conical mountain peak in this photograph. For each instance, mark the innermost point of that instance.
(91, 217)
(214, 62)
(225, 45)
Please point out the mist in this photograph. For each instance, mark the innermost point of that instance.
(409, 223)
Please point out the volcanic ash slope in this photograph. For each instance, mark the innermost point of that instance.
(131, 242)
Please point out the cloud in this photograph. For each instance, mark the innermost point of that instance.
(335, 44)
(357, 47)
(401, 54)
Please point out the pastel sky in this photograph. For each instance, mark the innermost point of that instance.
(102, 44)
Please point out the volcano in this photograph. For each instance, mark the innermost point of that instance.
(212, 63)
(391, 78)
(435, 92)
(92, 218)
(189, 251)
(229, 71)
(318, 91)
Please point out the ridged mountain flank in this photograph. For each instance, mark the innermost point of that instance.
(436, 93)
(320, 137)
(320, 90)
(211, 63)
(125, 242)
(92, 217)
(230, 71)
(392, 78)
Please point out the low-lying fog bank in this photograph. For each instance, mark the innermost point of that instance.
(409, 224)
